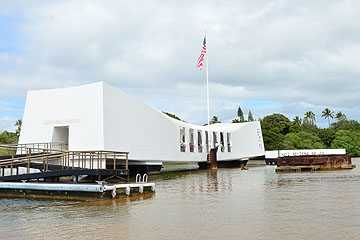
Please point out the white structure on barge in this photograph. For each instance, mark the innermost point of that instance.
(303, 152)
(98, 116)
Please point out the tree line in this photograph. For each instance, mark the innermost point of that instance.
(239, 119)
(281, 133)
(302, 133)
(7, 137)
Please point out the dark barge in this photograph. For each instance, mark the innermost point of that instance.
(314, 163)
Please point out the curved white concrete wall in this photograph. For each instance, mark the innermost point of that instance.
(100, 117)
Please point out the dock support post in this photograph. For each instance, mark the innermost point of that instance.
(28, 166)
(127, 166)
(114, 161)
(47, 162)
(73, 159)
(127, 161)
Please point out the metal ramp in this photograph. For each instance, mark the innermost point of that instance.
(50, 161)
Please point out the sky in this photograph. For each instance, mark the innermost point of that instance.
(279, 56)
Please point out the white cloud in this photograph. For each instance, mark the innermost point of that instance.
(7, 123)
(301, 55)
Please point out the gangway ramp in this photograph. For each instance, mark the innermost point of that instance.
(54, 162)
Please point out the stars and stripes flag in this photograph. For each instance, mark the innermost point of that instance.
(202, 55)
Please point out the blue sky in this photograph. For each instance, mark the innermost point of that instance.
(9, 35)
(275, 56)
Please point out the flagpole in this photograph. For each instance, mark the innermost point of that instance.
(207, 91)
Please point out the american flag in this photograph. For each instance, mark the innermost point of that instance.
(202, 55)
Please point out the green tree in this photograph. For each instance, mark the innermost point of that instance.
(214, 120)
(340, 117)
(302, 140)
(296, 125)
(250, 117)
(350, 140)
(274, 128)
(240, 114)
(297, 121)
(172, 116)
(18, 125)
(327, 113)
(326, 135)
(351, 125)
(309, 120)
(277, 122)
(236, 120)
(8, 137)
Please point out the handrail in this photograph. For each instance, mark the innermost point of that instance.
(35, 143)
(92, 159)
(53, 155)
(58, 150)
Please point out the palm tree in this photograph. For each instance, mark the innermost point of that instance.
(327, 113)
(310, 117)
(297, 121)
(18, 125)
(340, 116)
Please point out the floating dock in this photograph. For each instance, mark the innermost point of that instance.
(72, 191)
(38, 170)
(314, 163)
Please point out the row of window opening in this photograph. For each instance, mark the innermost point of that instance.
(224, 143)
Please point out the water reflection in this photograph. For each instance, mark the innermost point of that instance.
(313, 205)
(190, 203)
(212, 184)
(193, 181)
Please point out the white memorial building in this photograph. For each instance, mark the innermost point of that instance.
(98, 116)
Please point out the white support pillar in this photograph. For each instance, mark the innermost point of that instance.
(225, 141)
(196, 146)
(187, 140)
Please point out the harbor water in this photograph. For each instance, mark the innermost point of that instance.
(188, 203)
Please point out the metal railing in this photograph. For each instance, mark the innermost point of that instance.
(23, 148)
(53, 154)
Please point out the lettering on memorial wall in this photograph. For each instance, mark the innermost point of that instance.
(260, 141)
(62, 121)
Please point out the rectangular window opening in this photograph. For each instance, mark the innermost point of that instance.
(222, 146)
(182, 140)
(191, 142)
(199, 143)
(229, 144)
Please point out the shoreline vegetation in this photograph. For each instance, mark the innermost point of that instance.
(279, 132)
(302, 133)
(7, 137)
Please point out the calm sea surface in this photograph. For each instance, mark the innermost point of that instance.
(193, 204)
